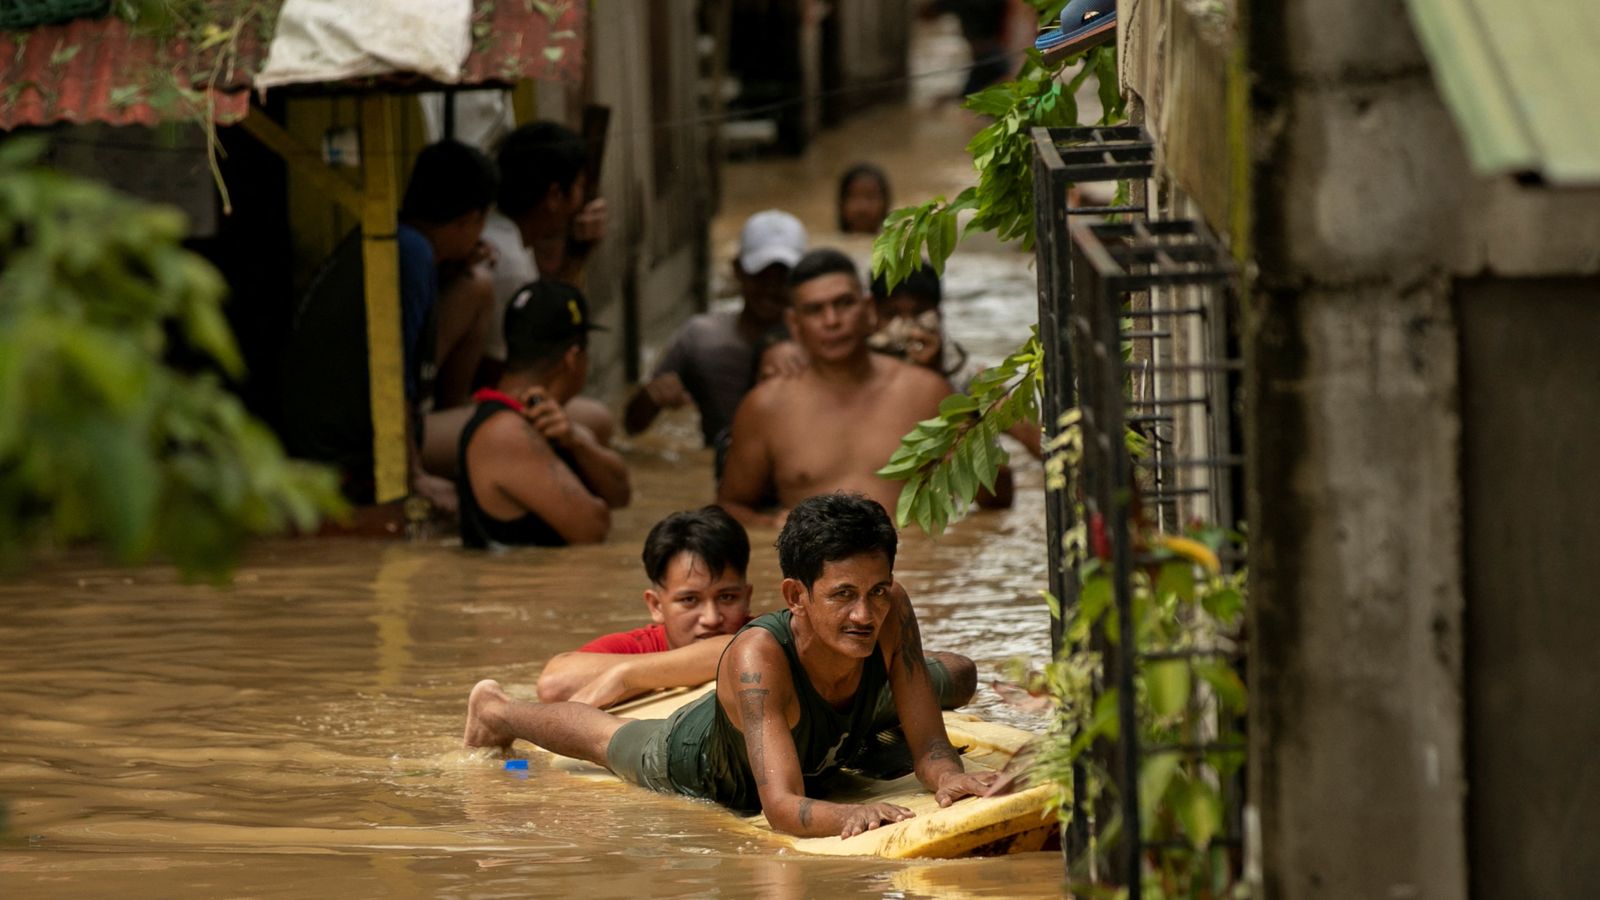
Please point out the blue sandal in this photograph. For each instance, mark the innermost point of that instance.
(1084, 24)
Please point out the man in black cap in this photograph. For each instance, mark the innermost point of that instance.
(528, 474)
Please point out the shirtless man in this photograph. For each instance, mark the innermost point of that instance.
(795, 697)
(832, 426)
(529, 473)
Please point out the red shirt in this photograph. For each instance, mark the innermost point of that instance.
(649, 639)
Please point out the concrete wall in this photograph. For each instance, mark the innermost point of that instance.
(873, 39)
(1366, 216)
(1530, 417)
(649, 273)
(1312, 136)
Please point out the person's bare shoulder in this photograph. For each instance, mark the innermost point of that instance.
(766, 397)
(753, 659)
(914, 384)
(507, 435)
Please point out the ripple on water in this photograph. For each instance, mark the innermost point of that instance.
(297, 733)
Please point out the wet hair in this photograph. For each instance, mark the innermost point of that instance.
(534, 157)
(861, 170)
(708, 532)
(922, 283)
(448, 181)
(820, 262)
(832, 527)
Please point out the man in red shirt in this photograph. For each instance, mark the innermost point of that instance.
(698, 597)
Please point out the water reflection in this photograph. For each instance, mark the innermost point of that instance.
(298, 734)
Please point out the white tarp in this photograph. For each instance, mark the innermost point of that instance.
(331, 40)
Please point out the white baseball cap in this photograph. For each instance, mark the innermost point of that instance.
(771, 236)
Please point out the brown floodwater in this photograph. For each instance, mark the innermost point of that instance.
(298, 733)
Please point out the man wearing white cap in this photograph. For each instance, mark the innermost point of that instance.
(712, 359)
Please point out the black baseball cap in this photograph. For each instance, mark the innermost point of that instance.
(543, 314)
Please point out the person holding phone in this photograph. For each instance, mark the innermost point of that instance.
(528, 473)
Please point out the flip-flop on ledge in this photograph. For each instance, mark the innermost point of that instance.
(1084, 24)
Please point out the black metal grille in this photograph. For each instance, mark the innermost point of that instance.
(1135, 321)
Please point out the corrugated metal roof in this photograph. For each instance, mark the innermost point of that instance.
(99, 70)
(1521, 81)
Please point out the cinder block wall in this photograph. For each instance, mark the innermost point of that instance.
(1366, 217)
(1312, 137)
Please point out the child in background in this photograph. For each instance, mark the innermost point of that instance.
(863, 199)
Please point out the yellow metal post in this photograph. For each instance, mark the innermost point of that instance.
(381, 261)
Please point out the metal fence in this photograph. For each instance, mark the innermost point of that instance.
(1135, 318)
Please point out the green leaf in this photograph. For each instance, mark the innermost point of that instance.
(963, 480)
(1176, 576)
(1199, 810)
(1103, 723)
(957, 406)
(1095, 597)
(908, 496)
(1167, 685)
(1155, 775)
(1225, 605)
(1225, 683)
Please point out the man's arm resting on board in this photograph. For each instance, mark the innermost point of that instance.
(756, 692)
(601, 679)
(938, 765)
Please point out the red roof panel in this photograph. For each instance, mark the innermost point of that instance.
(100, 70)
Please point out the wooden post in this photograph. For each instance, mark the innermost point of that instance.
(381, 261)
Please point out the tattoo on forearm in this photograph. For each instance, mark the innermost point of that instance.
(940, 749)
(752, 709)
(805, 812)
(749, 677)
(911, 642)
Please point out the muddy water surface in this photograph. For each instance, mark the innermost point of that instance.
(298, 733)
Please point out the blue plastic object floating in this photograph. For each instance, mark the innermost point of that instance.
(517, 764)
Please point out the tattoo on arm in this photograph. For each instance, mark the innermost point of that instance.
(939, 749)
(805, 812)
(911, 642)
(749, 677)
(752, 709)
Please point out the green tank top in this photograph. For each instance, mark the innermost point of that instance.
(706, 754)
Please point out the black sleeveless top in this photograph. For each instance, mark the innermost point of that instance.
(706, 753)
(479, 529)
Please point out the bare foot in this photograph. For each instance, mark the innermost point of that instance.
(483, 708)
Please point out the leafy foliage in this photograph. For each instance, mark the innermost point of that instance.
(955, 454)
(1002, 153)
(1189, 696)
(101, 439)
(944, 461)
